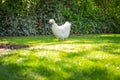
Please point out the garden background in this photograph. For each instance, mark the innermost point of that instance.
(30, 17)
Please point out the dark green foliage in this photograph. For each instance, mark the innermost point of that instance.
(30, 17)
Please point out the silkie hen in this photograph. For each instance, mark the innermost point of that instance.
(60, 32)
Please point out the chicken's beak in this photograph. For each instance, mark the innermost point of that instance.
(50, 22)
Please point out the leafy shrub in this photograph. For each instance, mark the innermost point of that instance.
(30, 17)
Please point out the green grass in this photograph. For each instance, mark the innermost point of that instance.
(84, 57)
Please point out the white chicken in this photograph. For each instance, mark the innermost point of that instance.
(60, 32)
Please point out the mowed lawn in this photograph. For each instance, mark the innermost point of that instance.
(84, 57)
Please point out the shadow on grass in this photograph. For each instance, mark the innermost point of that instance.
(12, 72)
(109, 48)
(27, 39)
(88, 72)
(12, 46)
(77, 54)
(50, 39)
(93, 39)
(16, 72)
(93, 73)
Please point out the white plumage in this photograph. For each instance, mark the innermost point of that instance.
(60, 32)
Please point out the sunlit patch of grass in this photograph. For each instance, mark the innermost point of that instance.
(85, 57)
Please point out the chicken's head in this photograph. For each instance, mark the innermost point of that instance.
(51, 21)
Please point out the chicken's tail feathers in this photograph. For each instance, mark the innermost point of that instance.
(68, 23)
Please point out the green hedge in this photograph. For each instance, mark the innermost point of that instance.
(30, 17)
